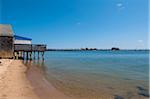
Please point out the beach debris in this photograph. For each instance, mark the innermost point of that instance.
(143, 91)
(127, 79)
(129, 95)
(118, 97)
(0, 63)
(140, 88)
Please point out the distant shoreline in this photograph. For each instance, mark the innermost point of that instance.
(97, 50)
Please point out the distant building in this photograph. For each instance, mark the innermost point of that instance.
(6, 41)
(22, 40)
(115, 49)
(89, 49)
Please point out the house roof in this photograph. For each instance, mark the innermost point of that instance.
(6, 30)
(21, 38)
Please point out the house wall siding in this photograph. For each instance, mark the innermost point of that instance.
(22, 42)
(6, 47)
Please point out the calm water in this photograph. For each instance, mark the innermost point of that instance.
(98, 74)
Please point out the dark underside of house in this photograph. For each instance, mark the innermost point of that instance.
(28, 51)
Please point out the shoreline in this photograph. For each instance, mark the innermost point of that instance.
(21, 81)
(42, 87)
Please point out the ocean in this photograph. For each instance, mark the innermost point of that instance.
(99, 74)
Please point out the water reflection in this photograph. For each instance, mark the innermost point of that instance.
(38, 63)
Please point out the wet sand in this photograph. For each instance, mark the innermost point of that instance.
(43, 88)
(17, 81)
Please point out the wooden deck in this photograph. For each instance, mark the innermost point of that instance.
(29, 47)
(26, 51)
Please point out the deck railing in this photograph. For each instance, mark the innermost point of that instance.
(29, 47)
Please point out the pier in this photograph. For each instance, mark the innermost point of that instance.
(29, 51)
(18, 47)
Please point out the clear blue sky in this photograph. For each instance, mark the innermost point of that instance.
(79, 23)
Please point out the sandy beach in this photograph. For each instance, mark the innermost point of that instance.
(16, 82)
(13, 81)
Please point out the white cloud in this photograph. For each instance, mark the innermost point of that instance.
(119, 4)
(78, 23)
(140, 41)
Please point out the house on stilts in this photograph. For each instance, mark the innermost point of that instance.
(14, 46)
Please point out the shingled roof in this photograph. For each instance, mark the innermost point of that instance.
(6, 30)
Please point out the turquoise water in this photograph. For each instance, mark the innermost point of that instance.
(98, 74)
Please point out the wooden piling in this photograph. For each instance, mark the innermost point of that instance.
(26, 50)
(43, 55)
(23, 55)
(34, 55)
(38, 55)
(17, 55)
(27, 57)
(31, 55)
(14, 56)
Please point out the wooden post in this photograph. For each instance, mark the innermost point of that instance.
(20, 54)
(17, 55)
(31, 55)
(38, 55)
(23, 55)
(27, 57)
(43, 55)
(34, 55)
(14, 57)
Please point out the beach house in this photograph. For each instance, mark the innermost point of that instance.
(14, 46)
(6, 41)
